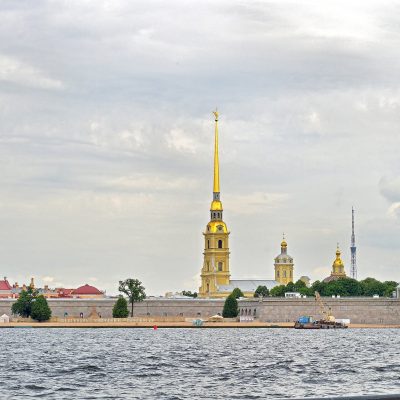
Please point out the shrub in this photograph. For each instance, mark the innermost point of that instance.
(120, 309)
(231, 309)
(40, 309)
(236, 293)
(261, 291)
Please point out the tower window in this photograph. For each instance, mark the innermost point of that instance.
(219, 266)
(208, 288)
(208, 244)
(208, 265)
(213, 215)
(220, 244)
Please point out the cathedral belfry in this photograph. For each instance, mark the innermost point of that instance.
(215, 271)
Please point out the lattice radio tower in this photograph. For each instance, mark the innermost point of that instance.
(353, 249)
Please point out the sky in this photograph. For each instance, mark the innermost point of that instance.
(106, 138)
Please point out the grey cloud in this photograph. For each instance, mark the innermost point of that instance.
(119, 162)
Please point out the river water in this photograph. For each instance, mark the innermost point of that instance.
(197, 363)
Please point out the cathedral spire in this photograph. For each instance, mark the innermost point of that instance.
(216, 160)
(216, 205)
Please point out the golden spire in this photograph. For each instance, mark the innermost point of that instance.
(283, 243)
(216, 161)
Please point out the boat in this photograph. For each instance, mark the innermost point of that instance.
(327, 322)
(309, 323)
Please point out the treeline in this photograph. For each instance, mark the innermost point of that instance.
(342, 287)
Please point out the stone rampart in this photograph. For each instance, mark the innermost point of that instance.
(358, 310)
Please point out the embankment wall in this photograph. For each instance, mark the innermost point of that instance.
(358, 310)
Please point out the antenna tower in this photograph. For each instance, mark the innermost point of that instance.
(353, 249)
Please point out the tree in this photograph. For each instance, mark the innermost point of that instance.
(189, 293)
(23, 306)
(261, 291)
(120, 309)
(40, 309)
(134, 290)
(278, 291)
(290, 287)
(231, 309)
(236, 293)
(390, 287)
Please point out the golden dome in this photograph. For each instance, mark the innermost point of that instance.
(216, 205)
(216, 227)
(338, 261)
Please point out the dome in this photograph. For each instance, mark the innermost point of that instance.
(284, 259)
(216, 205)
(338, 261)
(87, 289)
(216, 227)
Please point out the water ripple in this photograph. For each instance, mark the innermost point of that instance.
(197, 363)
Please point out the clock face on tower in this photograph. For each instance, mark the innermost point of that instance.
(220, 227)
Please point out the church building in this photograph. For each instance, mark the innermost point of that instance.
(337, 268)
(283, 265)
(215, 273)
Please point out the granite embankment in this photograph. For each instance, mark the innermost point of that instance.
(370, 311)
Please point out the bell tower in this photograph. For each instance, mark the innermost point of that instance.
(215, 270)
(284, 265)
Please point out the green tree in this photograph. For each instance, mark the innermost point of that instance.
(231, 309)
(278, 291)
(319, 287)
(23, 306)
(290, 287)
(120, 309)
(371, 286)
(40, 309)
(134, 290)
(189, 293)
(236, 293)
(390, 287)
(261, 291)
(299, 285)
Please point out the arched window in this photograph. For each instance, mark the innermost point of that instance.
(220, 266)
(254, 312)
(208, 244)
(284, 274)
(213, 215)
(220, 244)
(208, 288)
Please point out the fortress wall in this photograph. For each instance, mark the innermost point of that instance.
(358, 310)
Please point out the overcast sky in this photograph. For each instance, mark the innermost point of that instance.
(106, 137)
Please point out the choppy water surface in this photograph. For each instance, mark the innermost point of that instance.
(197, 363)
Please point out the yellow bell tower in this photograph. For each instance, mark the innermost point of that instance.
(215, 270)
(283, 265)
